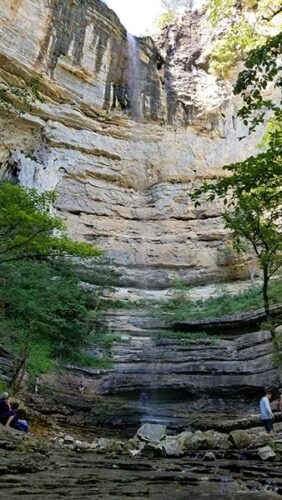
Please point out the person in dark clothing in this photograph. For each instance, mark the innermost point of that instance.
(144, 398)
(11, 415)
(5, 409)
(81, 388)
(4, 402)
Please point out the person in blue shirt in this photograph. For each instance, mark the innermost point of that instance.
(265, 411)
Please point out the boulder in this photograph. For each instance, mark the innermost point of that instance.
(185, 438)
(207, 441)
(266, 453)
(240, 439)
(278, 330)
(186, 441)
(84, 446)
(134, 453)
(150, 449)
(152, 433)
(216, 440)
(105, 445)
(173, 446)
(68, 440)
(209, 456)
(133, 443)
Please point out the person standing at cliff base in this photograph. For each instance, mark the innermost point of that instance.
(265, 411)
(81, 388)
(36, 385)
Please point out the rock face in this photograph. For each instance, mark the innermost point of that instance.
(213, 367)
(193, 92)
(122, 183)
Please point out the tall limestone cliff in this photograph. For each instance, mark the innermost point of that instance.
(71, 81)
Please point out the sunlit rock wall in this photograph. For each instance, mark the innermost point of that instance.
(122, 184)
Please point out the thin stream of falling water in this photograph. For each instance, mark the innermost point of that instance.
(145, 405)
(134, 77)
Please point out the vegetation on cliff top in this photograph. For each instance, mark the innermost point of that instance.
(183, 308)
(241, 27)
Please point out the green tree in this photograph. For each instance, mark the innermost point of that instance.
(166, 18)
(252, 197)
(29, 230)
(252, 189)
(242, 26)
(263, 69)
(47, 315)
(170, 10)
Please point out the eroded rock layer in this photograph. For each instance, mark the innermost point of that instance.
(240, 365)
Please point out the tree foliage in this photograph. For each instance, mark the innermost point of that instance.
(166, 18)
(28, 229)
(264, 10)
(262, 69)
(242, 26)
(46, 314)
(252, 196)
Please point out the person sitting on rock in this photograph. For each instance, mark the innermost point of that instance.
(4, 402)
(19, 422)
(5, 409)
(266, 414)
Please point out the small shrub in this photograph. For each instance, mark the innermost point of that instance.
(226, 256)
(224, 304)
(166, 18)
(87, 360)
(184, 337)
(103, 340)
(39, 360)
(3, 386)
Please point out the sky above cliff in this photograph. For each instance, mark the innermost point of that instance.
(139, 18)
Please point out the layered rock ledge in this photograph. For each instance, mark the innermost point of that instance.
(239, 365)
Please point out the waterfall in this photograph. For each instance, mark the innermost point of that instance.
(134, 77)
